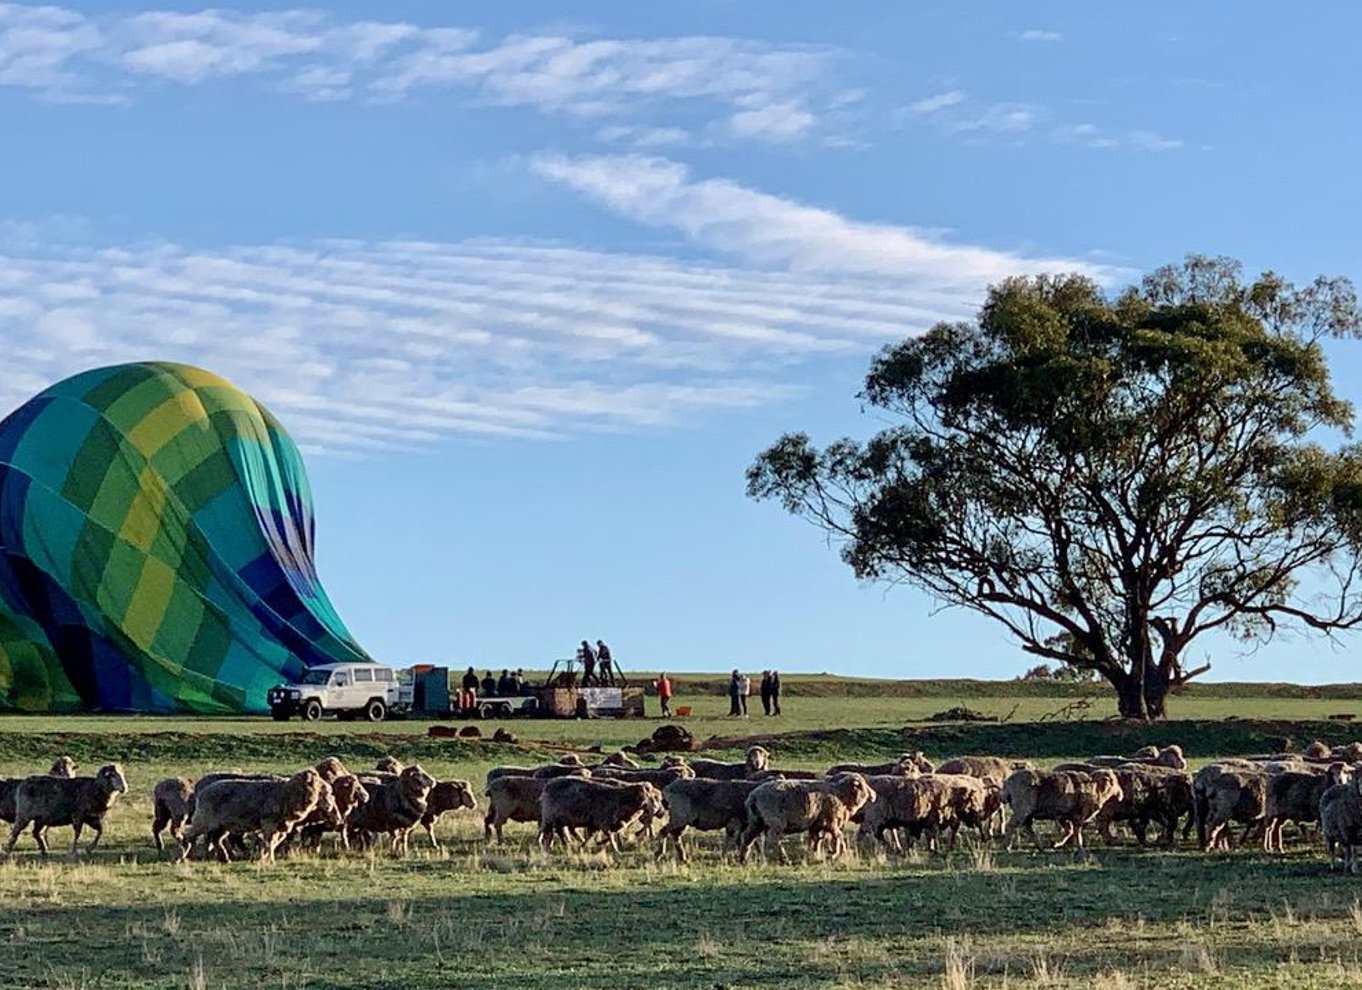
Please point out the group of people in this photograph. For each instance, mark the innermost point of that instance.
(598, 667)
(509, 685)
(740, 686)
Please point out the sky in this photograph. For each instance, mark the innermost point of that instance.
(531, 289)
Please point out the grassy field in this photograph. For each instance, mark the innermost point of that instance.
(471, 915)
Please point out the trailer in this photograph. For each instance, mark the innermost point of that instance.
(560, 695)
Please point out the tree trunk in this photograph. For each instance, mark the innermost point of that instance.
(1130, 696)
(1157, 684)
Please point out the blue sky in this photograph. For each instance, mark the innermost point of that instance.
(531, 290)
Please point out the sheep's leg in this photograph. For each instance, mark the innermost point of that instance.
(545, 837)
(160, 819)
(15, 831)
(749, 836)
(430, 831)
(40, 837)
(773, 838)
(99, 834)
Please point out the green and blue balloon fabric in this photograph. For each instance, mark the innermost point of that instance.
(156, 548)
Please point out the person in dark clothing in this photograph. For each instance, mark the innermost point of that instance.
(489, 685)
(506, 685)
(734, 693)
(766, 692)
(468, 695)
(775, 692)
(520, 686)
(606, 663)
(588, 664)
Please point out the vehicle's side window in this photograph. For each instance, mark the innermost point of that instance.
(363, 675)
(383, 675)
(340, 680)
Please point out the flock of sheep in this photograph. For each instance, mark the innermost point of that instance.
(904, 800)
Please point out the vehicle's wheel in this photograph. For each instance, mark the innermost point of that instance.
(279, 716)
(375, 711)
(312, 711)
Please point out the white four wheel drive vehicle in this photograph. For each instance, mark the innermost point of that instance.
(348, 690)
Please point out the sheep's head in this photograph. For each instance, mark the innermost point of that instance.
(570, 760)
(466, 798)
(853, 790)
(111, 776)
(331, 768)
(1316, 751)
(652, 800)
(758, 757)
(388, 764)
(673, 760)
(416, 781)
(350, 793)
(1171, 756)
(1108, 784)
(63, 766)
(1339, 773)
(326, 806)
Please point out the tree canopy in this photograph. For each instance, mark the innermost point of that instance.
(1108, 477)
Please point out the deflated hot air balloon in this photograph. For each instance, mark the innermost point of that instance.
(156, 541)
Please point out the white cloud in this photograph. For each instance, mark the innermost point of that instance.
(932, 104)
(778, 122)
(1037, 34)
(361, 346)
(1007, 119)
(768, 230)
(1091, 136)
(1015, 123)
(1151, 141)
(745, 89)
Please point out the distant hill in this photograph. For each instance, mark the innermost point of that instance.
(833, 686)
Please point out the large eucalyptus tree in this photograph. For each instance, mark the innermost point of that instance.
(1109, 478)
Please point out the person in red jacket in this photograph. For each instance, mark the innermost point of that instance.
(664, 695)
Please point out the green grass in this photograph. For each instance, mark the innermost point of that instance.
(513, 917)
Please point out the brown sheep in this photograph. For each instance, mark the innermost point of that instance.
(1152, 794)
(968, 801)
(595, 806)
(396, 805)
(1071, 798)
(274, 808)
(706, 805)
(1169, 756)
(902, 802)
(983, 766)
(348, 793)
(907, 763)
(553, 771)
(446, 795)
(44, 801)
(761, 776)
(821, 808)
(1294, 797)
(758, 759)
(659, 778)
(62, 766)
(1225, 793)
(511, 799)
(388, 764)
(331, 768)
(1340, 822)
(170, 803)
(619, 758)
